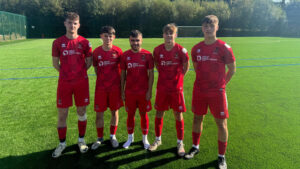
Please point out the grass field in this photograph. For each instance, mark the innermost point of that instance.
(264, 106)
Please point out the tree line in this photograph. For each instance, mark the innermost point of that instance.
(237, 17)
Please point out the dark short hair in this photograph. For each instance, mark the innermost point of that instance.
(108, 29)
(135, 33)
(210, 19)
(71, 16)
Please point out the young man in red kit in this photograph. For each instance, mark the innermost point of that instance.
(137, 71)
(171, 61)
(106, 61)
(210, 57)
(71, 58)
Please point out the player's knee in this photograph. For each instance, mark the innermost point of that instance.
(114, 113)
(222, 125)
(82, 118)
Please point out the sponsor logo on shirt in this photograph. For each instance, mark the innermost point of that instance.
(206, 58)
(105, 63)
(167, 63)
(63, 45)
(198, 50)
(65, 52)
(161, 56)
(134, 65)
(90, 45)
(184, 50)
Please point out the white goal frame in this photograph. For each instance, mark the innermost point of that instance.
(191, 31)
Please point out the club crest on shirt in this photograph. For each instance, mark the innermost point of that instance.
(86, 100)
(198, 50)
(216, 51)
(114, 55)
(128, 58)
(176, 56)
(63, 45)
(143, 57)
(79, 46)
(99, 57)
(161, 56)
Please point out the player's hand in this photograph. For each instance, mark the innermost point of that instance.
(123, 96)
(148, 95)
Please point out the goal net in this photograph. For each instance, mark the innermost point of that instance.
(189, 31)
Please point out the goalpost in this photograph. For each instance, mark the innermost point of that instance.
(189, 31)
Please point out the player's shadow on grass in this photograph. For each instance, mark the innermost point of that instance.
(104, 157)
(212, 164)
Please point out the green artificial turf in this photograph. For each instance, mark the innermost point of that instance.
(264, 109)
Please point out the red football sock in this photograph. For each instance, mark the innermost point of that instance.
(196, 138)
(180, 129)
(144, 123)
(222, 147)
(82, 128)
(130, 123)
(62, 132)
(158, 126)
(113, 130)
(100, 132)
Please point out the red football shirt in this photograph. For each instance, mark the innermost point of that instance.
(211, 61)
(108, 68)
(170, 67)
(72, 54)
(137, 66)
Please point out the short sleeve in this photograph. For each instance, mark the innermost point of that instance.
(88, 51)
(95, 58)
(228, 54)
(193, 53)
(123, 62)
(55, 49)
(150, 61)
(155, 55)
(184, 55)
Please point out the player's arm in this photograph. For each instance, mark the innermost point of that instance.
(186, 66)
(96, 70)
(88, 62)
(123, 80)
(195, 64)
(55, 63)
(150, 84)
(231, 70)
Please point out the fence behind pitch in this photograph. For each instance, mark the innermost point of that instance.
(12, 26)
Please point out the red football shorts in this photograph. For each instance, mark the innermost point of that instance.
(215, 101)
(103, 100)
(65, 91)
(134, 101)
(173, 100)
